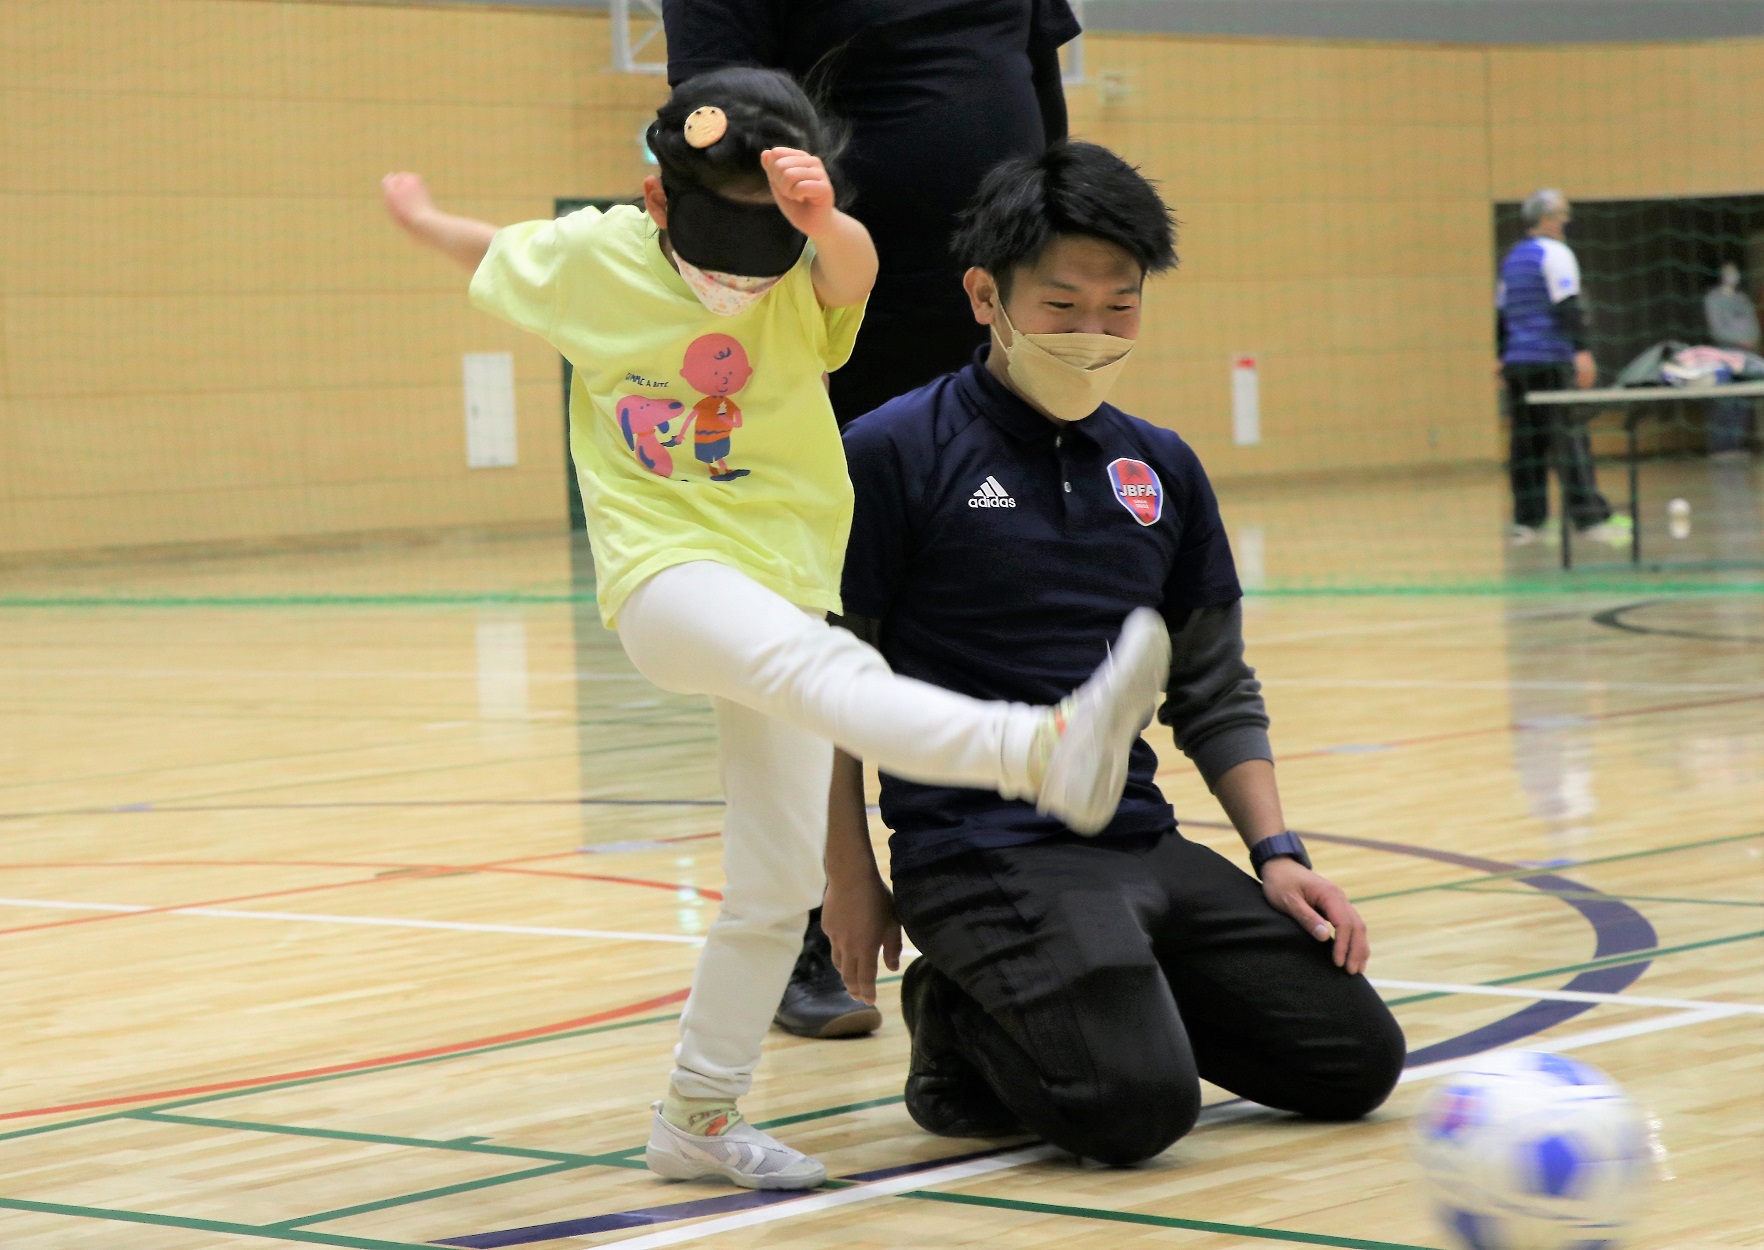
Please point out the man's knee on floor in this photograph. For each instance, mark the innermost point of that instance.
(1129, 1117)
(1357, 1086)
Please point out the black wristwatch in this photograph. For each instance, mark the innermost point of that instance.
(1286, 844)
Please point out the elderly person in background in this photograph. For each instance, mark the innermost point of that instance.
(1541, 332)
(1733, 323)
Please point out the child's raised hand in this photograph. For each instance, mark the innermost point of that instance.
(802, 188)
(406, 198)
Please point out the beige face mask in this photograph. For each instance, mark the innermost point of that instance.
(1067, 375)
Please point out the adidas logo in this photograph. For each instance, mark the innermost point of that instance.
(991, 495)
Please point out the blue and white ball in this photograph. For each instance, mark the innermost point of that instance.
(1530, 1151)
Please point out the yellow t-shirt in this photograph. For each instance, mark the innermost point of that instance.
(769, 497)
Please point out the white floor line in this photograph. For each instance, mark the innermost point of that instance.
(867, 1192)
(998, 1163)
(1576, 1041)
(1565, 996)
(387, 922)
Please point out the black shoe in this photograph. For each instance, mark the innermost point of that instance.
(815, 1002)
(945, 1094)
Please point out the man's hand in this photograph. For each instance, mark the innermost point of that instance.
(802, 188)
(858, 919)
(1586, 370)
(1292, 888)
(407, 199)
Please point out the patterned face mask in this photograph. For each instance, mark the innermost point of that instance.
(726, 294)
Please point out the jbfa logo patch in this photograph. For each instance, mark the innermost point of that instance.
(1138, 489)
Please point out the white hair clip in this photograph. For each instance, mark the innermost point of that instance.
(704, 126)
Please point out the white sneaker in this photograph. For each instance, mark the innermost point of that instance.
(1615, 532)
(743, 1155)
(1087, 768)
(1522, 535)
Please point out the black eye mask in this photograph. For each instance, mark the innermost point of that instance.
(722, 236)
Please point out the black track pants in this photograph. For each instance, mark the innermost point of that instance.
(1546, 435)
(1093, 984)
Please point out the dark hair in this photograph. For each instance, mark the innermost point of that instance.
(1072, 188)
(765, 108)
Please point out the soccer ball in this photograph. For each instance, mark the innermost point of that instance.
(1530, 1151)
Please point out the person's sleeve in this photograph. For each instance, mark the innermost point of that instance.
(709, 34)
(1051, 25)
(524, 277)
(1213, 702)
(1571, 317)
(881, 521)
(842, 325)
(1561, 273)
(1203, 573)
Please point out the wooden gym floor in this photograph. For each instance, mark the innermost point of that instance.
(366, 924)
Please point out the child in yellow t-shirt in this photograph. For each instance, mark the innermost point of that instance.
(741, 275)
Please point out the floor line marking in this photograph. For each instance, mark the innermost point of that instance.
(1565, 996)
(905, 1185)
(389, 922)
(1578, 1041)
(425, 1195)
(1628, 898)
(476, 1147)
(1164, 1221)
(207, 1226)
(868, 1192)
(220, 1089)
(1515, 874)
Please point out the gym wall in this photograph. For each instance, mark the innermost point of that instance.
(212, 334)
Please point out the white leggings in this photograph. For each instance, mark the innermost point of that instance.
(785, 686)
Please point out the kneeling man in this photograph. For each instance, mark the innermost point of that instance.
(1007, 521)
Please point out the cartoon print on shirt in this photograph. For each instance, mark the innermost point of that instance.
(641, 418)
(716, 366)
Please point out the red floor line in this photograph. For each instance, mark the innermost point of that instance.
(672, 886)
(361, 1065)
(213, 902)
(418, 872)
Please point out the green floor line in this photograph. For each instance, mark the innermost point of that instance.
(336, 1076)
(441, 599)
(1591, 965)
(425, 1195)
(207, 1226)
(783, 1121)
(1590, 895)
(1519, 873)
(463, 1145)
(1567, 587)
(1161, 1221)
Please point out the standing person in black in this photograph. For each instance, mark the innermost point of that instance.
(936, 93)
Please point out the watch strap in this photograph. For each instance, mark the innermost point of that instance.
(1287, 844)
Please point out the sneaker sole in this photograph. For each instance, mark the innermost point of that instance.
(672, 1168)
(1143, 660)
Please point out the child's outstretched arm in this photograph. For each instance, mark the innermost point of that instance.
(411, 206)
(845, 258)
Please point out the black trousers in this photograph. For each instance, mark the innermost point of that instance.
(1546, 435)
(899, 350)
(1093, 984)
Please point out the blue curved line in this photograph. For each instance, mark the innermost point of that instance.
(1618, 929)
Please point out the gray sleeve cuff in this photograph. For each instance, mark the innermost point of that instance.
(1225, 750)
